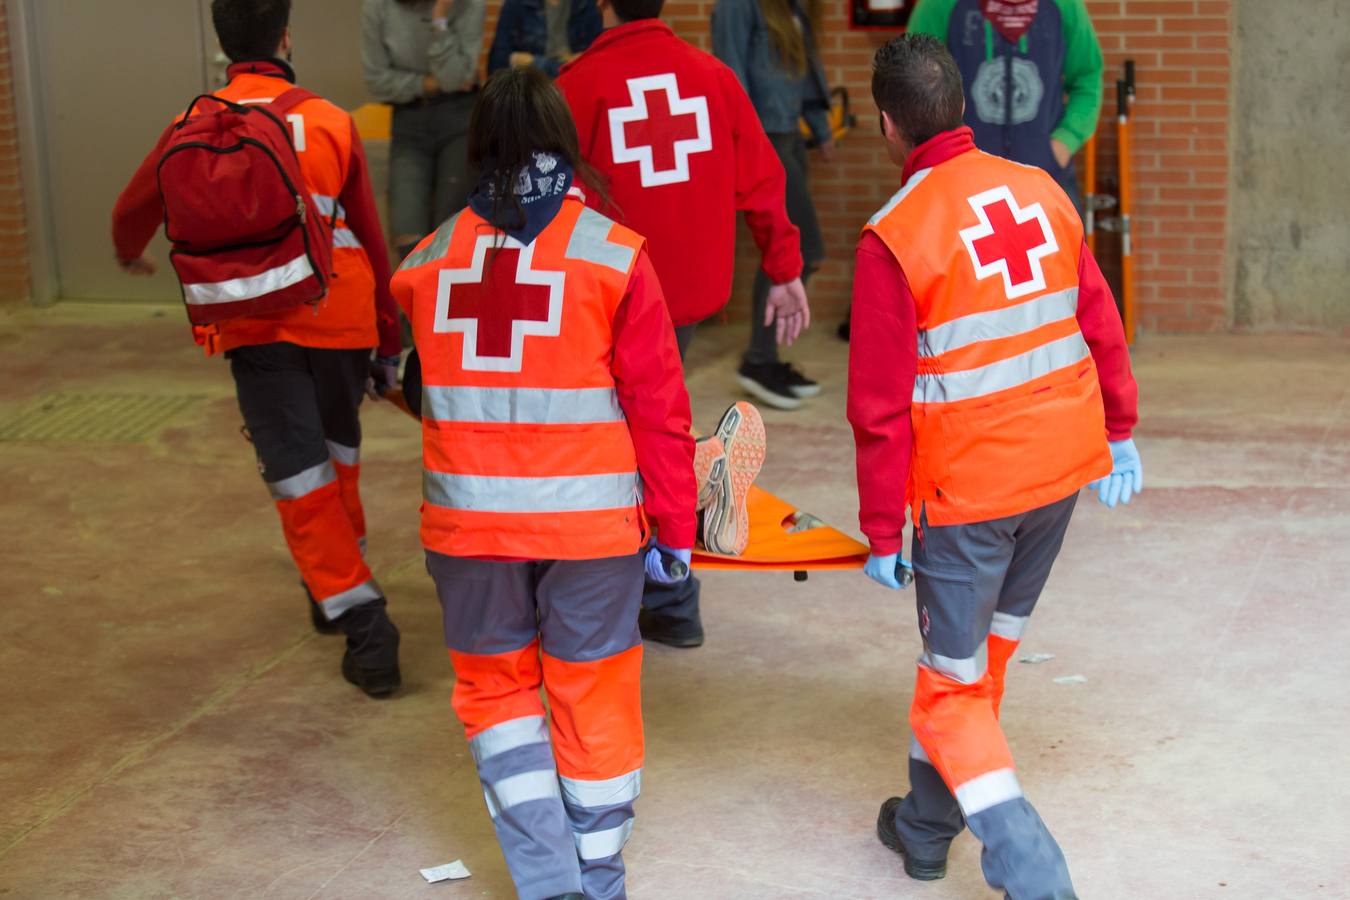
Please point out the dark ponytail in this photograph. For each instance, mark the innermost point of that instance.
(521, 112)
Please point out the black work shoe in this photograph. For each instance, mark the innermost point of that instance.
(322, 624)
(768, 383)
(376, 683)
(799, 384)
(681, 633)
(371, 659)
(919, 869)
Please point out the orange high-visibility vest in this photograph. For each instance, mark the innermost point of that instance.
(1007, 410)
(345, 318)
(526, 451)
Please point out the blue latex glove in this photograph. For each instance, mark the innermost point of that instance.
(1126, 478)
(657, 571)
(884, 570)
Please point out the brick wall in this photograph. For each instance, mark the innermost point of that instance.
(1181, 48)
(13, 235)
(1181, 159)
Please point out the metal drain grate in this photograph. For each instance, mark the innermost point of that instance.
(95, 418)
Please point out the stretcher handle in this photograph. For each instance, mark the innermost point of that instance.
(1129, 77)
(675, 567)
(904, 573)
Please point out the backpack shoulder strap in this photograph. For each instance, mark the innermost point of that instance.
(289, 100)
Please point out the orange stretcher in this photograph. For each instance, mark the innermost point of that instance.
(782, 539)
(785, 540)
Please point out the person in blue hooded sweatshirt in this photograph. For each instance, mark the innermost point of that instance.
(1033, 76)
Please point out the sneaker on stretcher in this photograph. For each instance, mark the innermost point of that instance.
(710, 462)
(726, 520)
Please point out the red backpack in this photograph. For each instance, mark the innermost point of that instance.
(248, 238)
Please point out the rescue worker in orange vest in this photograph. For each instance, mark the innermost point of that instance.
(988, 382)
(554, 410)
(300, 374)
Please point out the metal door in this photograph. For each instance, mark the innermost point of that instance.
(110, 77)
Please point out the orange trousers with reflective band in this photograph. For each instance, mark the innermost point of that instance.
(301, 409)
(976, 586)
(559, 783)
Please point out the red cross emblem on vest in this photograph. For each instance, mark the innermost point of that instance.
(660, 130)
(1010, 240)
(497, 309)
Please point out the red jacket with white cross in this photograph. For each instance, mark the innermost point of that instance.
(883, 363)
(673, 132)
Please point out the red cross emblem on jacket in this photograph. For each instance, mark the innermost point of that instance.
(1010, 240)
(498, 308)
(660, 130)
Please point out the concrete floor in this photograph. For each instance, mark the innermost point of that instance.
(172, 728)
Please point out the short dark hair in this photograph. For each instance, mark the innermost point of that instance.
(632, 10)
(916, 82)
(250, 29)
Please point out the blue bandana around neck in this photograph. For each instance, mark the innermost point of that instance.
(541, 189)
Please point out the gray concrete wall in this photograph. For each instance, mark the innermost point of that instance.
(1291, 165)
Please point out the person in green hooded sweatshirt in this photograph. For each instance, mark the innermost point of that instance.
(1032, 72)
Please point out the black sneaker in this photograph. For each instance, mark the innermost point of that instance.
(321, 622)
(371, 659)
(768, 384)
(919, 869)
(681, 633)
(845, 329)
(798, 383)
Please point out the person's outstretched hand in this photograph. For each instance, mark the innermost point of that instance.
(656, 564)
(883, 570)
(1126, 478)
(788, 308)
(141, 265)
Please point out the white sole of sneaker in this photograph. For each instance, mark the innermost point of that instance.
(726, 522)
(805, 392)
(760, 392)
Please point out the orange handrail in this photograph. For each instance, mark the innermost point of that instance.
(1126, 206)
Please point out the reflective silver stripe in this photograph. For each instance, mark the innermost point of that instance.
(338, 604)
(345, 238)
(526, 406)
(590, 242)
(989, 789)
(440, 242)
(306, 482)
(948, 387)
(967, 671)
(596, 794)
(503, 494)
(603, 844)
(1008, 627)
(916, 751)
(347, 456)
(900, 195)
(326, 204)
(999, 323)
(513, 790)
(508, 736)
(249, 286)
